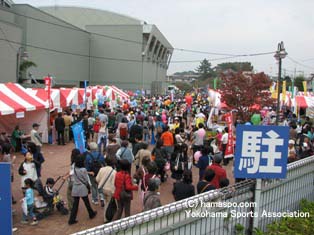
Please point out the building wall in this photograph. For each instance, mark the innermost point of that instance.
(8, 51)
(123, 65)
(67, 69)
(71, 54)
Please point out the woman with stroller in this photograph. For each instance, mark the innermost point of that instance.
(81, 188)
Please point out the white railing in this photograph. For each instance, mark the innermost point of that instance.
(176, 218)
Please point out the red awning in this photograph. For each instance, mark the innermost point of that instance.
(15, 98)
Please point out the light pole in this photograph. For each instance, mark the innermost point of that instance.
(20, 55)
(280, 54)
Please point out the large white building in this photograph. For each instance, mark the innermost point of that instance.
(74, 44)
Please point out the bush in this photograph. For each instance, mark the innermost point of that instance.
(294, 225)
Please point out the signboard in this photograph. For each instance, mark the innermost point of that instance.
(20, 115)
(261, 151)
(229, 153)
(79, 137)
(5, 199)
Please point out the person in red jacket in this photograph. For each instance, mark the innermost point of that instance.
(123, 179)
(220, 173)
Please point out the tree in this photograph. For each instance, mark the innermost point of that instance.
(23, 68)
(234, 66)
(204, 69)
(298, 82)
(244, 92)
(183, 86)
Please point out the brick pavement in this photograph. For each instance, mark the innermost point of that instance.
(57, 163)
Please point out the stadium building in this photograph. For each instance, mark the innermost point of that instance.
(74, 44)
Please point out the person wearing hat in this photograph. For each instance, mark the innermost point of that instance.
(292, 154)
(93, 162)
(36, 138)
(220, 173)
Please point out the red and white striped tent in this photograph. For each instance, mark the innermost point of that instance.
(57, 98)
(15, 98)
(304, 101)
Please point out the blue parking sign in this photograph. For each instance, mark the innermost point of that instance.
(5, 199)
(261, 151)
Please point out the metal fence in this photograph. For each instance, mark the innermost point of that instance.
(285, 195)
(220, 212)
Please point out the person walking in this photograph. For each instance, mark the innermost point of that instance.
(93, 162)
(81, 185)
(123, 182)
(105, 179)
(152, 197)
(124, 152)
(60, 126)
(220, 173)
(69, 177)
(30, 201)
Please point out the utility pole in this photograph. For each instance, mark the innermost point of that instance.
(280, 54)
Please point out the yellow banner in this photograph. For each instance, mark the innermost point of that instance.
(274, 91)
(305, 88)
(284, 91)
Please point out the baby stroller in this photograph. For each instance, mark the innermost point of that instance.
(45, 208)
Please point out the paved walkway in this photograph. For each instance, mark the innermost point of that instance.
(57, 163)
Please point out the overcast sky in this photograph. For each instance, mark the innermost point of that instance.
(223, 26)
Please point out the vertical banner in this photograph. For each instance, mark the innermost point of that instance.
(305, 87)
(273, 90)
(284, 91)
(79, 137)
(5, 199)
(229, 150)
(48, 86)
(209, 120)
(85, 92)
(215, 83)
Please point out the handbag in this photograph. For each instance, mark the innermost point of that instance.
(86, 184)
(111, 209)
(124, 194)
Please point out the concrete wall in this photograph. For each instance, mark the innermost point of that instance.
(123, 66)
(62, 60)
(8, 51)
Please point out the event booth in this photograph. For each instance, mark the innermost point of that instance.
(20, 107)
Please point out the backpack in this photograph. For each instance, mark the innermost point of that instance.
(159, 128)
(123, 133)
(96, 164)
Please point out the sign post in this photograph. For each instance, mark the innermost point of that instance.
(261, 152)
(5, 199)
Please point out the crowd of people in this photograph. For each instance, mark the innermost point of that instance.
(137, 149)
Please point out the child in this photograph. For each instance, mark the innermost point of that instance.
(29, 197)
(49, 193)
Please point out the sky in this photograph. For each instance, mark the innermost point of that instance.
(223, 26)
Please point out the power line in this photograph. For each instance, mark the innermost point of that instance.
(7, 40)
(70, 53)
(299, 63)
(224, 54)
(132, 41)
